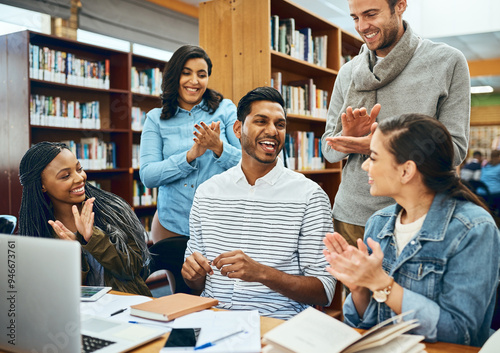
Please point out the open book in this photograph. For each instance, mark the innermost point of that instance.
(312, 331)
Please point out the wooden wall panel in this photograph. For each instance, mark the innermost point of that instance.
(485, 115)
(4, 132)
(214, 25)
(251, 38)
(18, 113)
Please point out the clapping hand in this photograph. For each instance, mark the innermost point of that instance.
(84, 222)
(209, 136)
(357, 130)
(354, 267)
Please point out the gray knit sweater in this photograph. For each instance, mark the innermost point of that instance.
(434, 82)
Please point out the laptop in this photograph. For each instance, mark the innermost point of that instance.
(40, 287)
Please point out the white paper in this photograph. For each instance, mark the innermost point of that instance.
(111, 303)
(216, 324)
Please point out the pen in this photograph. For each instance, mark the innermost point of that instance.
(148, 323)
(118, 312)
(210, 344)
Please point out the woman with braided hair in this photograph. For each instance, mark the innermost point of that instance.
(57, 202)
(436, 252)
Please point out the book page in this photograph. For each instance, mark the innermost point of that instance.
(401, 344)
(312, 331)
(382, 336)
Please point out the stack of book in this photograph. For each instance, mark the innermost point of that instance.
(299, 43)
(314, 331)
(143, 196)
(136, 156)
(63, 67)
(302, 97)
(54, 111)
(138, 118)
(303, 151)
(147, 81)
(93, 154)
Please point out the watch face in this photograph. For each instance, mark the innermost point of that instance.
(380, 296)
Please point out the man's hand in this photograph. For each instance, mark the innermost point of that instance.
(357, 122)
(348, 145)
(237, 264)
(195, 269)
(304, 289)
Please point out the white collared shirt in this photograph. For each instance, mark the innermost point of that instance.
(279, 222)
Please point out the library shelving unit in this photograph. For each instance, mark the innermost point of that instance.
(243, 59)
(110, 88)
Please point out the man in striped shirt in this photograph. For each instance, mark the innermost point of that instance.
(256, 230)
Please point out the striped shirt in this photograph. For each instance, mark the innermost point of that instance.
(279, 222)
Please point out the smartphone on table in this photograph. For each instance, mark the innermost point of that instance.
(183, 338)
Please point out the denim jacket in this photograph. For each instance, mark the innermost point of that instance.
(449, 272)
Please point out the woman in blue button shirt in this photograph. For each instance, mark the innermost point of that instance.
(435, 252)
(184, 143)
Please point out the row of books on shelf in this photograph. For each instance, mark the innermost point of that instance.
(147, 81)
(484, 137)
(302, 97)
(138, 118)
(303, 151)
(58, 112)
(143, 196)
(136, 153)
(299, 43)
(93, 153)
(63, 67)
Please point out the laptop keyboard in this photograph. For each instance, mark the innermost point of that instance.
(92, 344)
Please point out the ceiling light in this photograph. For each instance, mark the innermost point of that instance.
(481, 89)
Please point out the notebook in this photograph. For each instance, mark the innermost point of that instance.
(40, 301)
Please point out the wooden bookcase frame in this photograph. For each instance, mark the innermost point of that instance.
(18, 134)
(237, 36)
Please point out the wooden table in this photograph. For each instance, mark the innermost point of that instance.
(267, 324)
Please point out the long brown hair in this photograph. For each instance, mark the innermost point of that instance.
(171, 77)
(427, 142)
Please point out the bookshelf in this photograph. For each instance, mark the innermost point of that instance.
(39, 103)
(243, 59)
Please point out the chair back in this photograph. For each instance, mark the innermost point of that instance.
(7, 224)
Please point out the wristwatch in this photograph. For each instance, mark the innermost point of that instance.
(382, 294)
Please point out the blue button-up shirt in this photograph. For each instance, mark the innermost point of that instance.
(449, 272)
(164, 144)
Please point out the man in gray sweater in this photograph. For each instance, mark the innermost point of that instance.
(396, 72)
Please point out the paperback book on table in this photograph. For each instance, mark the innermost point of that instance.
(170, 307)
(313, 331)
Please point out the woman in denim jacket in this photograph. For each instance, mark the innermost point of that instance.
(435, 252)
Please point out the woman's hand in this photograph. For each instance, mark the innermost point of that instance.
(209, 137)
(61, 230)
(355, 267)
(84, 220)
(336, 244)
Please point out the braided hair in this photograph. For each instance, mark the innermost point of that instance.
(171, 76)
(111, 213)
(427, 142)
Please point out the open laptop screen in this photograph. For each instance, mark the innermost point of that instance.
(40, 294)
